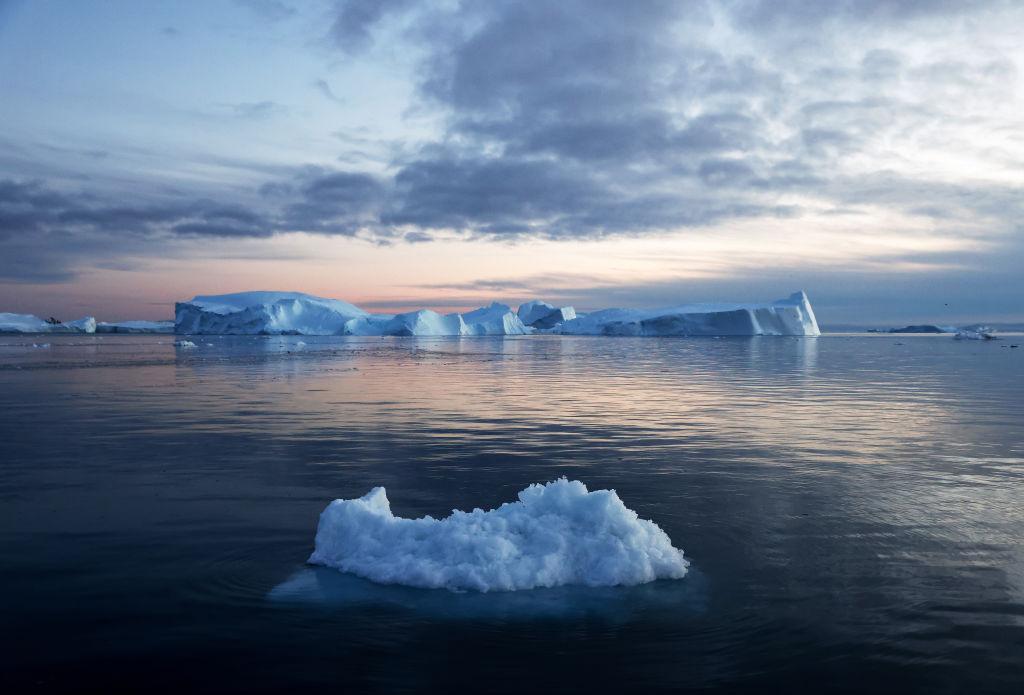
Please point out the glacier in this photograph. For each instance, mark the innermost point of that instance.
(555, 534)
(27, 323)
(295, 313)
(790, 316)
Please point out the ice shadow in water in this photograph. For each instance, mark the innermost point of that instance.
(327, 587)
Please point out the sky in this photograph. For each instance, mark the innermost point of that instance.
(403, 154)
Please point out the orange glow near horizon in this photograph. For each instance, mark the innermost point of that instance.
(456, 275)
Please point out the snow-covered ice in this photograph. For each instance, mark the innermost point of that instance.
(556, 534)
(264, 312)
(135, 327)
(187, 344)
(27, 323)
(302, 314)
(790, 316)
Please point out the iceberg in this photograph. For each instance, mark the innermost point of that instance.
(556, 534)
(422, 322)
(790, 316)
(496, 319)
(27, 323)
(266, 313)
(135, 327)
(294, 313)
(975, 332)
(538, 314)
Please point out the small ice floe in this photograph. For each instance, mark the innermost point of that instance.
(187, 344)
(41, 346)
(555, 534)
(976, 332)
(300, 344)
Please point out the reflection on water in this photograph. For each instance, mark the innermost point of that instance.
(851, 506)
(320, 586)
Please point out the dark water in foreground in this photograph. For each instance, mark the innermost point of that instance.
(851, 506)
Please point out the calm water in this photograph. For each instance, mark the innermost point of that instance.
(852, 507)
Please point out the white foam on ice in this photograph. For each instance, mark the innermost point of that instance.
(555, 534)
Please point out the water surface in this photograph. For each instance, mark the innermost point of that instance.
(851, 506)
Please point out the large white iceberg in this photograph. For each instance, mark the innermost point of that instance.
(555, 534)
(264, 313)
(790, 316)
(27, 323)
(303, 314)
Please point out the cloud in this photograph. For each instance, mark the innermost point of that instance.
(324, 88)
(584, 119)
(45, 233)
(355, 19)
(273, 10)
(257, 110)
(589, 119)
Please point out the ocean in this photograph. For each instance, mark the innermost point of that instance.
(852, 508)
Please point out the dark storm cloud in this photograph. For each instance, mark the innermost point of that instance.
(585, 118)
(591, 118)
(328, 202)
(579, 119)
(44, 232)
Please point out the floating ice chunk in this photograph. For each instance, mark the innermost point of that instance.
(187, 344)
(555, 534)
